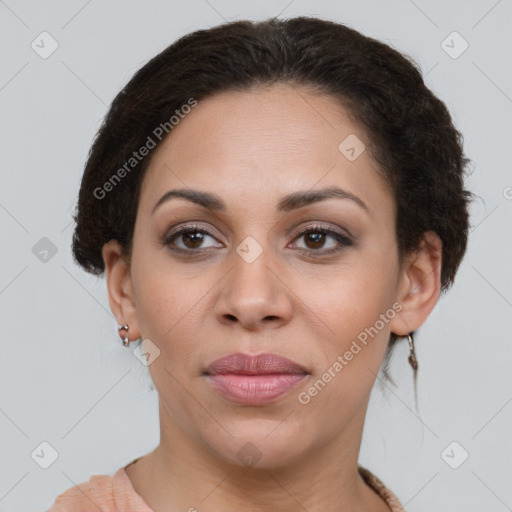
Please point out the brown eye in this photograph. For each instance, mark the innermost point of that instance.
(317, 238)
(189, 238)
(192, 239)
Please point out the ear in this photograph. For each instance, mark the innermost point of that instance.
(420, 285)
(119, 286)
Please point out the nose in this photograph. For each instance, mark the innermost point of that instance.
(254, 295)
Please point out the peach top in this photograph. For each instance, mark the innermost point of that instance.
(116, 494)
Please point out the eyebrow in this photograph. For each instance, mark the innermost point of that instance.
(287, 203)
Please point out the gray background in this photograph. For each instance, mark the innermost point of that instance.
(65, 377)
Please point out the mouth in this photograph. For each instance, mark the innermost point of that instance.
(254, 379)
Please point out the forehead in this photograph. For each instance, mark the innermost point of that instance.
(266, 142)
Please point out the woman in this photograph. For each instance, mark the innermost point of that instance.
(274, 205)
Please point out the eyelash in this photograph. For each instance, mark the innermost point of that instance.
(344, 240)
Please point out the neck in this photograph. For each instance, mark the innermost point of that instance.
(183, 475)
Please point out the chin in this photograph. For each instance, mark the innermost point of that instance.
(261, 443)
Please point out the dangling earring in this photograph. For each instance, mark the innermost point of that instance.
(126, 340)
(414, 363)
(412, 356)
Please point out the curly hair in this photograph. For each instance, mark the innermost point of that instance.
(412, 137)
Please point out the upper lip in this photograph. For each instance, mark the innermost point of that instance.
(249, 364)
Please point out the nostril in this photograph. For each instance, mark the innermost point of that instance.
(231, 317)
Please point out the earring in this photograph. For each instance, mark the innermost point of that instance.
(412, 356)
(126, 340)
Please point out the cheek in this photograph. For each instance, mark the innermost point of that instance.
(168, 302)
(168, 310)
(353, 296)
(355, 306)
(349, 357)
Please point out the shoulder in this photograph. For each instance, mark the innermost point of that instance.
(94, 494)
(101, 492)
(378, 486)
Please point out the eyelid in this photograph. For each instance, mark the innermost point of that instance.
(304, 228)
(297, 231)
(186, 227)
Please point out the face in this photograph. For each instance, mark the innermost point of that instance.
(251, 272)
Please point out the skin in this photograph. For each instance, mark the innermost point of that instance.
(251, 148)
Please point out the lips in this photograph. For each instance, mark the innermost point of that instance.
(254, 379)
(261, 364)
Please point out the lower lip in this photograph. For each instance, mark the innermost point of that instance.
(254, 389)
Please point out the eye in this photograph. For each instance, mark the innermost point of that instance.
(316, 238)
(188, 238)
